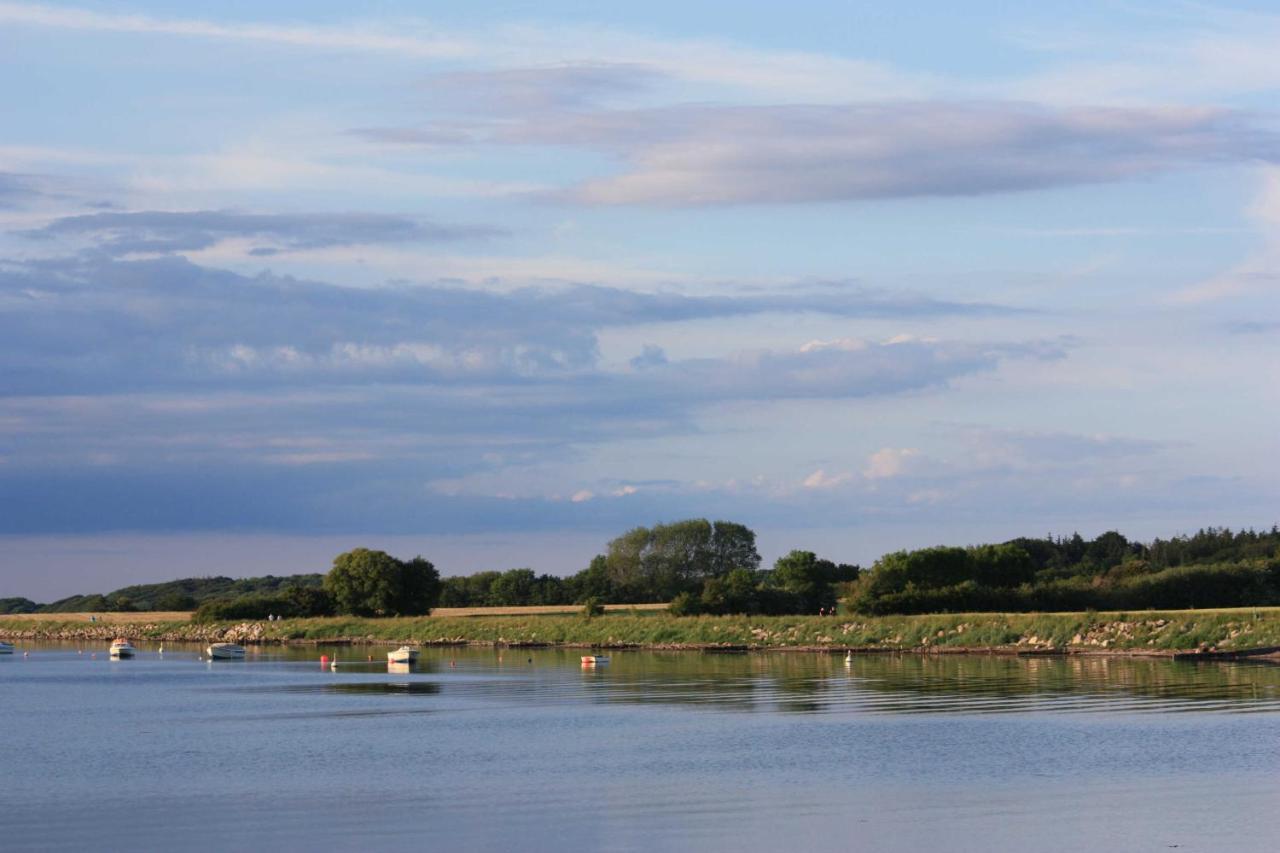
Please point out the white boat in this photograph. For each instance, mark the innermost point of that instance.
(594, 660)
(6, 648)
(404, 654)
(122, 648)
(225, 651)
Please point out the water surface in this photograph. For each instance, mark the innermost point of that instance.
(488, 750)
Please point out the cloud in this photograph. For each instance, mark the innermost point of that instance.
(165, 231)
(707, 61)
(16, 188)
(700, 154)
(1260, 271)
(820, 479)
(582, 496)
(420, 45)
(149, 376)
(1025, 451)
(1253, 327)
(831, 373)
(88, 323)
(650, 356)
(889, 462)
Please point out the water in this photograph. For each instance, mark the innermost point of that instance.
(481, 750)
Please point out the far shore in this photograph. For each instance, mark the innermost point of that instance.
(1196, 634)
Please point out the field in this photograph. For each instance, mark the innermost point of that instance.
(106, 618)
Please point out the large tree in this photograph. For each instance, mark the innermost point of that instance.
(658, 563)
(374, 583)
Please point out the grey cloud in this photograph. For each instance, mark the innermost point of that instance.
(1253, 327)
(836, 371)
(160, 394)
(691, 155)
(650, 356)
(1024, 448)
(88, 323)
(16, 188)
(169, 231)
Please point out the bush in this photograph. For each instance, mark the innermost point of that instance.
(244, 607)
(592, 607)
(685, 604)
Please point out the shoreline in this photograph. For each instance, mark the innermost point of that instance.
(1204, 635)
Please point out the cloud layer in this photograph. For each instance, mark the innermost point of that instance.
(698, 154)
(120, 233)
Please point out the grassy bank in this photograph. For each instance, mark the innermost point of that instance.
(1141, 632)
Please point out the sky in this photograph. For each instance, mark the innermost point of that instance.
(495, 282)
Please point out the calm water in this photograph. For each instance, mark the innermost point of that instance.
(527, 751)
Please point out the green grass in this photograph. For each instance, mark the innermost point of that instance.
(1150, 631)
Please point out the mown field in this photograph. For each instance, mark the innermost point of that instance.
(1145, 632)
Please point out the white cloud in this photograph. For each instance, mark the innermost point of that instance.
(422, 44)
(582, 496)
(889, 462)
(820, 479)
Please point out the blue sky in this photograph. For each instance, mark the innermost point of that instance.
(495, 282)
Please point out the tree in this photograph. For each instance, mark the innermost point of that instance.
(419, 588)
(808, 578)
(514, 587)
(658, 563)
(733, 593)
(733, 546)
(626, 564)
(592, 582)
(373, 583)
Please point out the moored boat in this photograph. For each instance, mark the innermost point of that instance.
(6, 648)
(122, 648)
(404, 654)
(225, 651)
(594, 660)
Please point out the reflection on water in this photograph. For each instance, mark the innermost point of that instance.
(895, 684)
(481, 749)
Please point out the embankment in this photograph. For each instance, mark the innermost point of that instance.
(1147, 632)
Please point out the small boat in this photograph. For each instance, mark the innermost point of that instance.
(6, 648)
(594, 660)
(122, 648)
(404, 654)
(225, 651)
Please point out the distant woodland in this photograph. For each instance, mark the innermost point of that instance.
(702, 566)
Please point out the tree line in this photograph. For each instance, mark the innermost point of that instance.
(702, 566)
(1215, 567)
